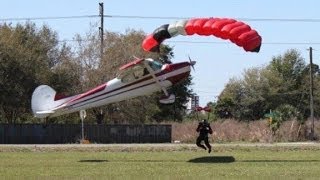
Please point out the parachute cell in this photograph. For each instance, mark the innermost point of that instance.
(150, 44)
(206, 28)
(237, 32)
(177, 28)
(218, 25)
(189, 27)
(161, 33)
(198, 26)
(225, 31)
(180, 27)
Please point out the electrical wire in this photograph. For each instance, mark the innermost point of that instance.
(172, 17)
(310, 20)
(48, 18)
(215, 42)
(243, 19)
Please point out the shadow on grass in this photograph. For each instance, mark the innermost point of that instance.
(206, 159)
(213, 159)
(127, 160)
(93, 161)
(279, 160)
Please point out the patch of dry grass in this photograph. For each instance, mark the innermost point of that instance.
(253, 131)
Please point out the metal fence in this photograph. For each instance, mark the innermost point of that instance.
(71, 133)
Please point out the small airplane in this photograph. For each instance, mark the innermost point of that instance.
(137, 78)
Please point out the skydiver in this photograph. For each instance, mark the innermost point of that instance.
(204, 129)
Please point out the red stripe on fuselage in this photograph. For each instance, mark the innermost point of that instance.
(88, 93)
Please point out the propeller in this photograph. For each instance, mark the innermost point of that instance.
(192, 63)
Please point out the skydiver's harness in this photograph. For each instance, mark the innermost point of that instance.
(204, 129)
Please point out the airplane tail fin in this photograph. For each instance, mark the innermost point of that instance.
(42, 101)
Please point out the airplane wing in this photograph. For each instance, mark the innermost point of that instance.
(131, 64)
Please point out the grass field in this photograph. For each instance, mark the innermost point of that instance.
(235, 162)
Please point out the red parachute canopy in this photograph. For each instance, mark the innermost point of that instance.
(207, 109)
(237, 32)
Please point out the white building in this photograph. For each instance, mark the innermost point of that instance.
(192, 103)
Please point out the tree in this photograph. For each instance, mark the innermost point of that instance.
(279, 85)
(291, 88)
(226, 106)
(27, 57)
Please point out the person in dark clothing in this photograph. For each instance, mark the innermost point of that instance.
(204, 129)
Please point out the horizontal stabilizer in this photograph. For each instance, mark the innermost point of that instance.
(43, 102)
(43, 114)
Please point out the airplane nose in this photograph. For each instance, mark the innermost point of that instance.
(192, 63)
(180, 71)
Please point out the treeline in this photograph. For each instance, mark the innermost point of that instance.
(279, 90)
(31, 56)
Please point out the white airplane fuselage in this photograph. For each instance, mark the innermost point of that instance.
(112, 91)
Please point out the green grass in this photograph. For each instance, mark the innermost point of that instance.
(236, 163)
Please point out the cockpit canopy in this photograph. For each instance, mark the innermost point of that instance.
(155, 65)
(135, 71)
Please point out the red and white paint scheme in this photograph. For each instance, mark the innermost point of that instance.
(138, 78)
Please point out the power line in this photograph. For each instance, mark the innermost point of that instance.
(315, 20)
(272, 43)
(216, 42)
(48, 18)
(242, 19)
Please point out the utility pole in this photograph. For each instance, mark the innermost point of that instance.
(100, 114)
(101, 29)
(311, 95)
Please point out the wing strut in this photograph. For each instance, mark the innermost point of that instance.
(168, 99)
(155, 78)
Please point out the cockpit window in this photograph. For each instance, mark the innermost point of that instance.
(155, 65)
(128, 78)
(138, 71)
(132, 74)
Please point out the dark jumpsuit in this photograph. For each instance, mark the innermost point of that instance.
(203, 129)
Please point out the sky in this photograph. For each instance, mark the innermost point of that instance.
(216, 62)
